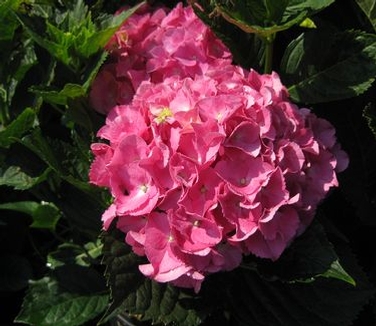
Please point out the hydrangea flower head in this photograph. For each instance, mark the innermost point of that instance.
(206, 168)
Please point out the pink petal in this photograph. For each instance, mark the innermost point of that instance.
(246, 136)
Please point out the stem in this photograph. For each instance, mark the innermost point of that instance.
(268, 59)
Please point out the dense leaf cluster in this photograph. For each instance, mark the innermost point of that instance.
(54, 260)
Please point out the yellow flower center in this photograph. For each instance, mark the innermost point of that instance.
(144, 188)
(163, 115)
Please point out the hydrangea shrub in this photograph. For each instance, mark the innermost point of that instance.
(205, 161)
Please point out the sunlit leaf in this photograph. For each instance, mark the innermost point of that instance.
(44, 215)
(45, 304)
(8, 21)
(308, 23)
(337, 271)
(19, 180)
(18, 127)
(70, 91)
(369, 8)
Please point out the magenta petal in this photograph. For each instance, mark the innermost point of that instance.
(196, 234)
(245, 220)
(244, 173)
(99, 174)
(122, 121)
(159, 248)
(246, 136)
(131, 149)
(219, 107)
(273, 193)
(291, 157)
(275, 235)
(108, 216)
(262, 248)
(134, 191)
(203, 194)
(183, 170)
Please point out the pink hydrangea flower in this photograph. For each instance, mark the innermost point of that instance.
(207, 167)
(153, 46)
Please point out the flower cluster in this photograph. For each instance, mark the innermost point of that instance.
(152, 46)
(209, 164)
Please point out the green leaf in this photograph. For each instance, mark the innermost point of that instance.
(40, 146)
(133, 293)
(259, 21)
(268, 17)
(122, 272)
(369, 8)
(23, 123)
(71, 253)
(346, 66)
(69, 91)
(64, 254)
(8, 22)
(329, 302)
(45, 305)
(44, 215)
(69, 162)
(311, 6)
(337, 271)
(93, 68)
(75, 36)
(19, 180)
(309, 256)
(369, 113)
(322, 302)
(308, 23)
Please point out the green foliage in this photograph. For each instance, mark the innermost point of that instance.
(322, 302)
(24, 122)
(311, 255)
(9, 23)
(51, 52)
(139, 296)
(268, 17)
(369, 8)
(71, 253)
(46, 304)
(337, 271)
(306, 286)
(44, 215)
(14, 177)
(73, 35)
(345, 67)
(70, 91)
